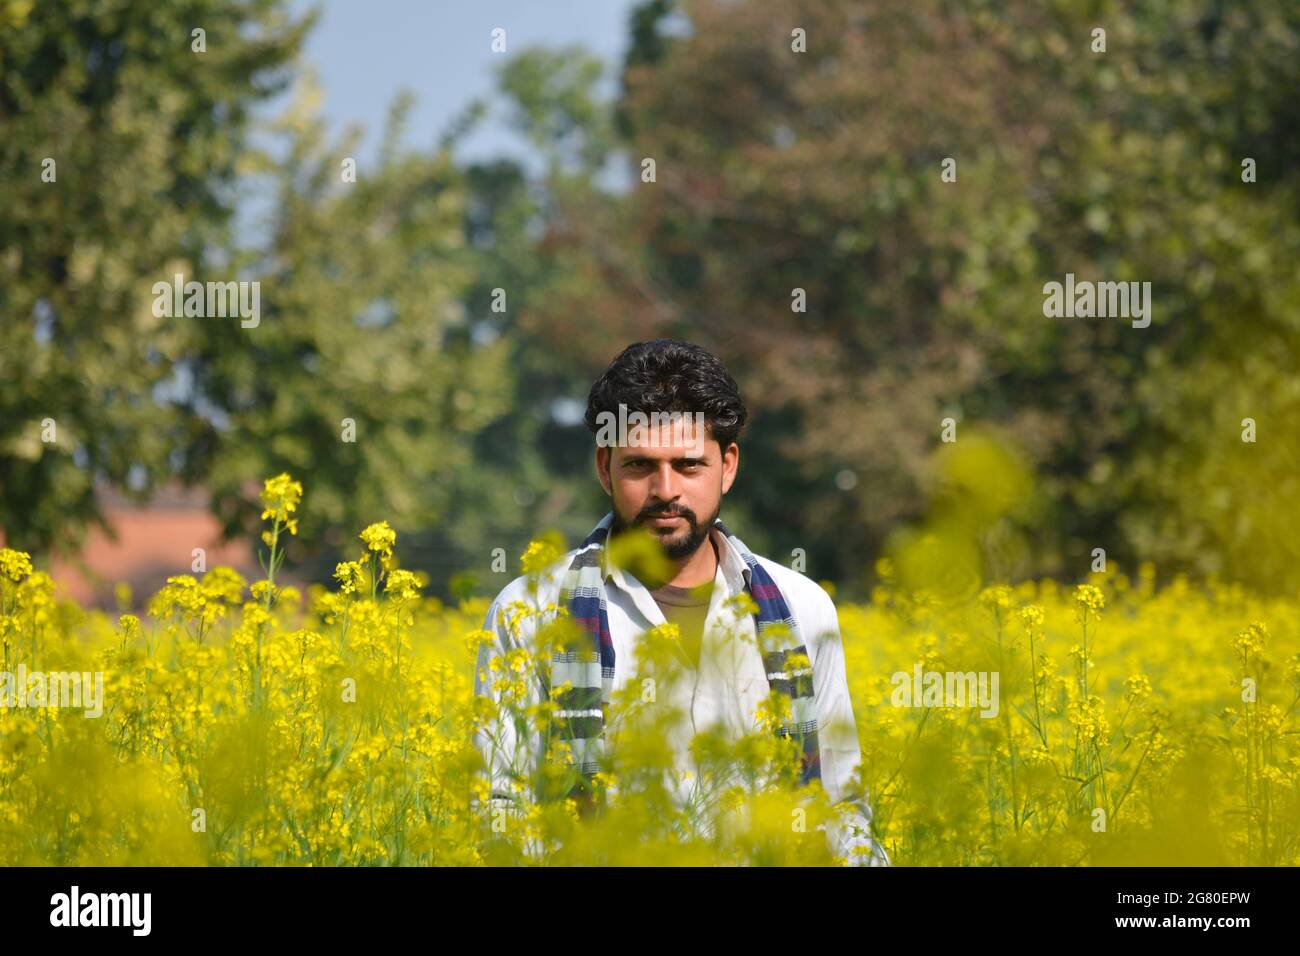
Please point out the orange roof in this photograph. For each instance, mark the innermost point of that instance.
(155, 540)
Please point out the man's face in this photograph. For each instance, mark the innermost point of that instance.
(673, 491)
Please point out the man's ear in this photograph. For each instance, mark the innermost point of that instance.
(730, 464)
(602, 468)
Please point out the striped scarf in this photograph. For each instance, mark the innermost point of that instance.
(588, 664)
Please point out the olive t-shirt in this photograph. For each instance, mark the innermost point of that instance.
(687, 608)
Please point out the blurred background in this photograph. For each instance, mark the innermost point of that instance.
(500, 245)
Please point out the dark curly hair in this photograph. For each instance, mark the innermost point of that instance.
(668, 375)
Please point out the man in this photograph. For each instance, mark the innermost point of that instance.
(666, 416)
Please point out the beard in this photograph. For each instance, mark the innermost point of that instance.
(680, 545)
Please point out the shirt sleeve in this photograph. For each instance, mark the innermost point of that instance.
(849, 833)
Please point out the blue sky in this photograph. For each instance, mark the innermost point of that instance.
(365, 51)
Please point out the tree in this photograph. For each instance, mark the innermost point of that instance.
(363, 376)
(822, 171)
(119, 148)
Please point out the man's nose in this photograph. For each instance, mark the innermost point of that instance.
(664, 484)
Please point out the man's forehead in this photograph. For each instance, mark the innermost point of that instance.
(665, 452)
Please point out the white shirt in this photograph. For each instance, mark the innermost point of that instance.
(723, 695)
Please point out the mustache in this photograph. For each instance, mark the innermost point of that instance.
(667, 511)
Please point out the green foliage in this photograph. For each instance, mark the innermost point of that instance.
(775, 171)
(821, 171)
(363, 322)
(146, 138)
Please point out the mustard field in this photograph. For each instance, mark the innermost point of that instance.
(246, 723)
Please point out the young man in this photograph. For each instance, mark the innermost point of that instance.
(666, 416)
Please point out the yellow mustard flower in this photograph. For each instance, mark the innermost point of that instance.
(1088, 602)
(379, 538)
(402, 585)
(14, 565)
(1252, 640)
(280, 497)
(1031, 616)
(539, 556)
(350, 575)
